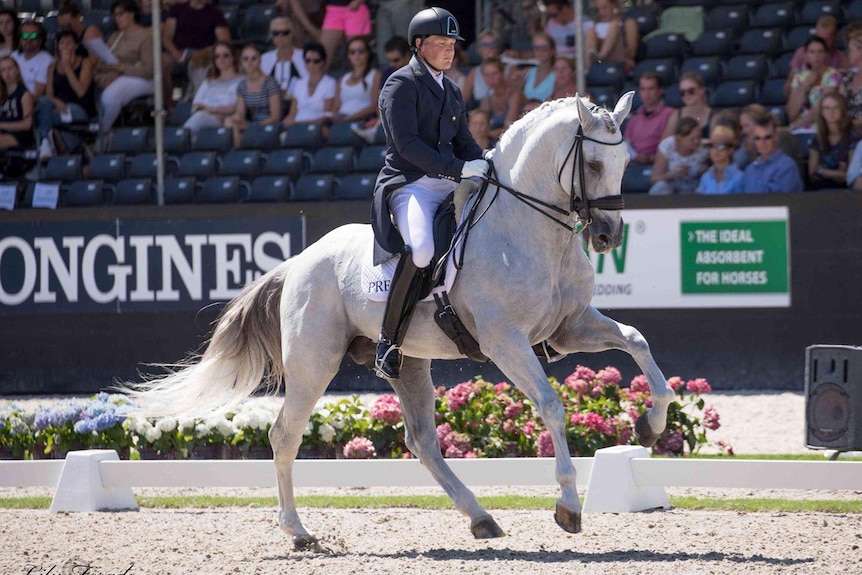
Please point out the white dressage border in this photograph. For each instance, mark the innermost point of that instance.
(619, 479)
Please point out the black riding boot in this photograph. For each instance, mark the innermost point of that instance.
(403, 293)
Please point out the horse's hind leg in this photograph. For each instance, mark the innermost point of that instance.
(416, 392)
(593, 332)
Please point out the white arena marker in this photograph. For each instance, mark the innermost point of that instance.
(612, 487)
(81, 489)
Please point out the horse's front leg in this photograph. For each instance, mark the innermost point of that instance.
(593, 332)
(513, 355)
(416, 392)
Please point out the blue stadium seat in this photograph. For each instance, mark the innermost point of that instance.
(797, 37)
(64, 168)
(672, 97)
(664, 67)
(772, 92)
(83, 193)
(181, 112)
(646, 18)
(341, 134)
(142, 166)
(200, 165)
(767, 41)
(177, 141)
(854, 10)
(781, 66)
(371, 158)
(133, 191)
(636, 178)
(606, 74)
(268, 189)
(107, 167)
(667, 45)
(775, 15)
(747, 67)
(214, 140)
(709, 67)
(242, 163)
(219, 190)
(306, 136)
(314, 187)
(603, 95)
(332, 160)
(733, 94)
(713, 43)
(180, 190)
(129, 140)
(811, 10)
(255, 22)
(288, 162)
(102, 19)
(356, 186)
(734, 18)
(257, 137)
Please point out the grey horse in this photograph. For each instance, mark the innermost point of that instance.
(526, 279)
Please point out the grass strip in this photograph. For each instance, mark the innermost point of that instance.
(749, 505)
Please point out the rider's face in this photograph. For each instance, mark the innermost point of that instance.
(438, 51)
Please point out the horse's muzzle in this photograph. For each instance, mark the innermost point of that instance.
(604, 235)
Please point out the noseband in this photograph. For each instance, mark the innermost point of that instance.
(578, 202)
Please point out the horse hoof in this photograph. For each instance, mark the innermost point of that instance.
(306, 543)
(644, 432)
(567, 519)
(486, 528)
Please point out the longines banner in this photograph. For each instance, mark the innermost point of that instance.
(697, 258)
(138, 265)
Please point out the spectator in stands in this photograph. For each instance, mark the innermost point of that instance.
(357, 90)
(479, 123)
(809, 85)
(69, 18)
(851, 79)
(454, 72)
(679, 161)
(33, 62)
(343, 18)
(772, 170)
(561, 26)
(258, 96)
(746, 152)
(215, 101)
(539, 80)
(854, 170)
(644, 128)
(827, 30)
(605, 41)
(397, 51)
(16, 107)
(190, 31)
(131, 77)
(284, 62)
(314, 95)
(565, 83)
(502, 103)
(488, 45)
(393, 17)
(71, 90)
(8, 31)
(692, 90)
(722, 177)
(304, 15)
(832, 149)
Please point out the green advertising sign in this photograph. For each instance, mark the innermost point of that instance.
(734, 257)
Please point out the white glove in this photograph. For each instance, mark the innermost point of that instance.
(475, 168)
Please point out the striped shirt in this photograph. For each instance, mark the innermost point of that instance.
(257, 103)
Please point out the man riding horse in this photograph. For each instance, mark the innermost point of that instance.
(429, 149)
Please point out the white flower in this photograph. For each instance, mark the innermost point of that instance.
(152, 435)
(166, 424)
(187, 424)
(338, 421)
(327, 433)
(309, 429)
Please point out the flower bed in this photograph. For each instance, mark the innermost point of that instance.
(474, 419)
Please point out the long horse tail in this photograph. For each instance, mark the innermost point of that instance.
(244, 354)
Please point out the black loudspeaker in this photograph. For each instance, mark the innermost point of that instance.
(833, 397)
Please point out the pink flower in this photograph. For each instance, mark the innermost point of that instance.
(529, 428)
(440, 391)
(670, 445)
(387, 409)
(444, 431)
(610, 375)
(458, 396)
(639, 384)
(725, 447)
(710, 418)
(597, 391)
(579, 386)
(545, 445)
(502, 388)
(582, 372)
(509, 427)
(675, 383)
(492, 420)
(699, 385)
(359, 448)
(470, 455)
(454, 452)
(514, 409)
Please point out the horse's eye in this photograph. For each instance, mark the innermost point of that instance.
(596, 167)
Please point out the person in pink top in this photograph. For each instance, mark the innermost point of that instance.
(827, 29)
(644, 128)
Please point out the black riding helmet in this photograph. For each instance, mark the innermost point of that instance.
(433, 22)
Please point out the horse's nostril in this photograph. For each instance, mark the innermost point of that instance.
(604, 238)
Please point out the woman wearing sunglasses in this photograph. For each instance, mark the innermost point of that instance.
(357, 90)
(259, 98)
(679, 161)
(722, 177)
(313, 96)
(283, 62)
(692, 90)
(216, 98)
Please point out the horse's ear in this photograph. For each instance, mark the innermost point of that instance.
(585, 117)
(624, 106)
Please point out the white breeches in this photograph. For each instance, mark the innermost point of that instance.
(119, 93)
(413, 207)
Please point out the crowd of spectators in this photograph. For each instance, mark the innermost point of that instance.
(325, 62)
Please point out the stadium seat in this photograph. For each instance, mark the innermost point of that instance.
(306, 136)
(606, 74)
(636, 178)
(129, 140)
(142, 166)
(747, 67)
(332, 160)
(268, 189)
(83, 193)
(102, 19)
(780, 67)
(257, 137)
(672, 97)
(775, 15)
(811, 10)
(762, 41)
(356, 186)
(107, 167)
(231, 16)
(176, 141)
(664, 67)
(854, 10)
(713, 43)
(797, 37)
(734, 18)
(710, 67)
(603, 95)
(371, 158)
(772, 92)
(314, 187)
(64, 168)
(733, 94)
(341, 134)
(180, 190)
(213, 140)
(646, 18)
(244, 164)
(255, 22)
(200, 165)
(668, 45)
(289, 162)
(219, 190)
(181, 112)
(133, 191)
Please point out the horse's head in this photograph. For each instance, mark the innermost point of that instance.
(598, 172)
